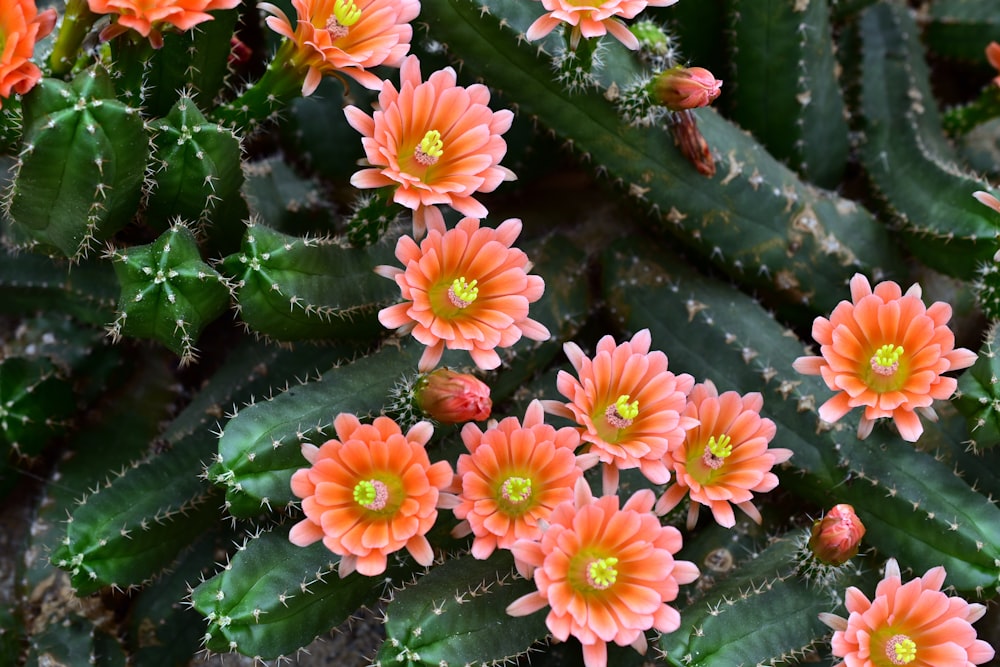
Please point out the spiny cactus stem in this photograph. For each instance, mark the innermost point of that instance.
(76, 23)
(281, 83)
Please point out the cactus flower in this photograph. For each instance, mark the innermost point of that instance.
(434, 142)
(680, 88)
(514, 475)
(345, 37)
(724, 460)
(835, 538)
(885, 351)
(21, 26)
(465, 289)
(150, 17)
(627, 404)
(606, 573)
(369, 493)
(452, 398)
(993, 56)
(592, 19)
(908, 624)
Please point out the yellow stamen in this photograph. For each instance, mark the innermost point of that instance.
(885, 361)
(516, 489)
(625, 409)
(901, 650)
(621, 413)
(346, 12)
(601, 573)
(430, 148)
(462, 294)
(721, 447)
(371, 494)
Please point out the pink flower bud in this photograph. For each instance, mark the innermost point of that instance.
(681, 88)
(452, 398)
(835, 537)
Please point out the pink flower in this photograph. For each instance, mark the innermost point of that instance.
(150, 17)
(21, 26)
(908, 624)
(434, 142)
(345, 37)
(605, 573)
(725, 459)
(628, 406)
(885, 351)
(681, 88)
(592, 20)
(512, 478)
(453, 398)
(370, 493)
(835, 537)
(465, 289)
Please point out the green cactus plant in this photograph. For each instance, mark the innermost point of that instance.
(187, 192)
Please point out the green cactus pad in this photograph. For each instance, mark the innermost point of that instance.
(80, 171)
(786, 91)
(36, 403)
(199, 166)
(456, 615)
(906, 155)
(979, 395)
(167, 292)
(292, 288)
(273, 597)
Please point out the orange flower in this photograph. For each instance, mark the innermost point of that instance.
(20, 27)
(725, 460)
(908, 624)
(885, 351)
(628, 406)
(370, 493)
(434, 142)
(512, 478)
(592, 19)
(465, 289)
(993, 56)
(606, 573)
(149, 17)
(345, 36)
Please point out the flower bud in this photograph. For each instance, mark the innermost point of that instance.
(993, 56)
(680, 88)
(452, 398)
(835, 537)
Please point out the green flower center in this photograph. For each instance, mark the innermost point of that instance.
(516, 490)
(461, 294)
(601, 573)
(429, 149)
(901, 650)
(372, 494)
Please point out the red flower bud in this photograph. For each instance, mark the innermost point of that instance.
(452, 398)
(835, 537)
(681, 88)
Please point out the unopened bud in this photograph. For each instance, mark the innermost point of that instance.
(681, 88)
(835, 537)
(453, 398)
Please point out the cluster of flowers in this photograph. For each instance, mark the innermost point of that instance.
(606, 569)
